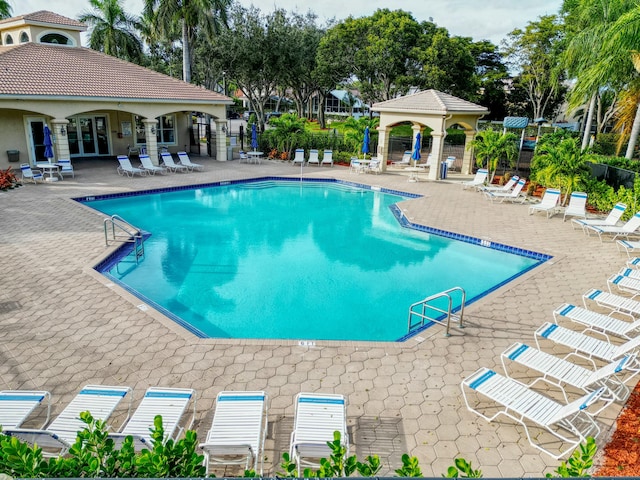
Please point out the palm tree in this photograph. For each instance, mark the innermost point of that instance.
(112, 30)
(613, 58)
(561, 165)
(188, 16)
(490, 146)
(588, 23)
(286, 131)
(5, 9)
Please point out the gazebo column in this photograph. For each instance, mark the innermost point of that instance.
(150, 129)
(436, 152)
(467, 158)
(383, 148)
(59, 127)
(221, 140)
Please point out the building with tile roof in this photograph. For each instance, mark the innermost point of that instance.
(95, 105)
(429, 109)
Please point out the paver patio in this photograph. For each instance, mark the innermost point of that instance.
(63, 325)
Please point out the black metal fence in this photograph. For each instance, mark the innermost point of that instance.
(613, 176)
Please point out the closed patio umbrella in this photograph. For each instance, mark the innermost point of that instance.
(254, 137)
(415, 155)
(365, 142)
(48, 144)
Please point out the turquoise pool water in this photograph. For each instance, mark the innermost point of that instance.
(304, 261)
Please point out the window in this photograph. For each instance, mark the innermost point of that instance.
(165, 131)
(56, 38)
(24, 37)
(8, 40)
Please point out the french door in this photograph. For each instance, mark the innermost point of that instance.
(88, 136)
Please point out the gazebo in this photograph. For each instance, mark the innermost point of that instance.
(433, 109)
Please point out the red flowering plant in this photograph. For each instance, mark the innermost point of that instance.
(8, 179)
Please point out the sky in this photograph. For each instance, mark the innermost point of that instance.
(479, 19)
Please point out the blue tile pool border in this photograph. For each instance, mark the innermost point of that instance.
(123, 251)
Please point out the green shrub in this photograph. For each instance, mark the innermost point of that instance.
(605, 143)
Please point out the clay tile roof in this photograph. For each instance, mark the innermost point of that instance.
(430, 101)
(44, 16)
(33, 69)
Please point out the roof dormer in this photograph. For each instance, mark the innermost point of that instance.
(41, 27)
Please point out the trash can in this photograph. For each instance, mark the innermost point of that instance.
(443, 170)
(13, 155)
(229, 153)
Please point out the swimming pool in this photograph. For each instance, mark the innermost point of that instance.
(306, 260)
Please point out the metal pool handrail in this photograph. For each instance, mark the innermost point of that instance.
(425, 313)
(123, 231)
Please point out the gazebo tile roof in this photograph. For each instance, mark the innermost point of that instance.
(33, 69)
(431, 101)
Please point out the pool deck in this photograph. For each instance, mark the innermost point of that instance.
(63, 325)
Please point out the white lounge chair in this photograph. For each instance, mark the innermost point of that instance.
(317, 417)
(327, 158)
(426, 164)
(479, 180)
(548, 204)
(167, 159)
(238, 430)
(127, 169)
(634, 262)
(184, 159)
(313, 158)
(585, 345)
(613, 302)
(31, 174)
(577, 206)
(17, 405)
(597, 322)
(524, 405)
(61, 433)
(149, 167)
(406, 160)
(506, 188)
(629, 229)
(628, 246)
(514, 195)
(563, 373)
(298, 157)
(171, 403)
(612, 219)
(624, 284)
(65, 167)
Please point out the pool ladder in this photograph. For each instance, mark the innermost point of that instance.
(123, 231)
(426, 311)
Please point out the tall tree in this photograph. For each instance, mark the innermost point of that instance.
(163, 56)
(302, 40)
(534, 53)
(446, 63)
(188, 16)
(5, 9)
(587, 24)
(112, 30)
(252, 54)
(492, 75)
(621, 46)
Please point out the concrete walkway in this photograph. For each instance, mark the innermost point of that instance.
(63, 325)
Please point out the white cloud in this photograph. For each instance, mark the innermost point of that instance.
(490, 19)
